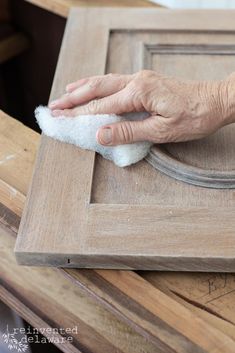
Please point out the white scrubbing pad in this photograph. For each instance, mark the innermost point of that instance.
(81, 131)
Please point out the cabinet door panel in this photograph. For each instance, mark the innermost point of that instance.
(83, 211)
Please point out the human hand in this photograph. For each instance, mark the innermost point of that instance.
(180, 110)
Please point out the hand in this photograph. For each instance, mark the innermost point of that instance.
(180, 110)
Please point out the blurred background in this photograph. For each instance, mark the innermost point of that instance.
(30, 39)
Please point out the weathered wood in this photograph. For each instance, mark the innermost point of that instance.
(62, 7)
(161, 320)
(45, 298)
(18, 148)
(105, 288)
(211, 292)
(135, 217)
(160, 159)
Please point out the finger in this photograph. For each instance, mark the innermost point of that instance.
(93, 88)
(153, 129)
(117, 103)
(123, 133)
(73, 85)
(70, 113)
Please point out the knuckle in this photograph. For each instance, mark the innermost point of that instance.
(144, 74)
(125, 132)
(92, 106)
(68, 100)
(112, 75)
(141, 80)
(119, 80)
(94, 83)
(68, 112)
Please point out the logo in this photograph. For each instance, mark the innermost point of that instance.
(12, 341)
(19, 339)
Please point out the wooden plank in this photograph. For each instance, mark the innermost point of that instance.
(18, 148)
(164, 224)
(212, 292)
(62, 7)
(98, 286)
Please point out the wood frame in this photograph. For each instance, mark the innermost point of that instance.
(31, 250)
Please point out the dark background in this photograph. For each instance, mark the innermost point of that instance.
(26, 80)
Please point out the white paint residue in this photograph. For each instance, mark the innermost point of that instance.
(7, 158)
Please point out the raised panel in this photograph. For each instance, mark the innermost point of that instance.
(190, 55)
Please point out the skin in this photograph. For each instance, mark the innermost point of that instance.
(180, 110)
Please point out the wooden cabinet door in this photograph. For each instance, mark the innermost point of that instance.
(83, 211)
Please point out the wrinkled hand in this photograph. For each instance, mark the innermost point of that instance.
(180, 110)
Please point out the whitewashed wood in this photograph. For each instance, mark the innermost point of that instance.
(82, 211)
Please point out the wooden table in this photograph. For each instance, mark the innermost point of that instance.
(115, 311)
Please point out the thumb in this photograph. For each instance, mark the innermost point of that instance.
(124, 132)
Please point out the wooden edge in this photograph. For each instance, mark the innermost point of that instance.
(125, 262)
(62, 7)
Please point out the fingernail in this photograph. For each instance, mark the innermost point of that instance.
(105, 135)
(53, 103)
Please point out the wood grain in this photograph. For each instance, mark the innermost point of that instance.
(18, 148)
(160, 319)
(105, 289)
(46, 298)
(62, 7)
(162, 223)
(168, 164)
(185, 288)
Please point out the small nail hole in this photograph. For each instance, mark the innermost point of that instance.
(68, 261)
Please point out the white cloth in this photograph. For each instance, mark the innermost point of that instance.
(81, 131)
